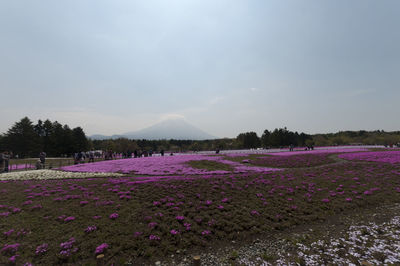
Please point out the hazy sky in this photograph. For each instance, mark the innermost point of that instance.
(225, 66)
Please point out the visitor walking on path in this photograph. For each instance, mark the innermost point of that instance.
(42, 158)
(4, 162)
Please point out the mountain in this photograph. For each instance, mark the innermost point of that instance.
(167, 129)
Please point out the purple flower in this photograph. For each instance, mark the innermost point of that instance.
(152, 224)
(187, 225)
(13, 258)
(100, 249)
(220, 207)
(8, 233)
(42, 249)
(205, 233)
(180, 218)
(114, 216)
(69, 218)
(96, 217)
(254, 212)
(68, 244)
(154, 237)
(84, 202)
(349, 199)
(325, 200)
(90, 229)
(225, 200)
(137, 234)
(15, 210)
(10, 249)
(174, 232)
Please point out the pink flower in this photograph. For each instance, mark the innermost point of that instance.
(325, 200)
(349, 199)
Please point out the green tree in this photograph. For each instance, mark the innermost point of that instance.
(22, 139)
(248, 140)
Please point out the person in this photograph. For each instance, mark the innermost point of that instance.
(91, 156)
(162, 152)
(82, 157)
(1, 162)
(38, 165)
(42, 158)
(6, 159)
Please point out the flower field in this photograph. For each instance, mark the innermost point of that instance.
(171, 205)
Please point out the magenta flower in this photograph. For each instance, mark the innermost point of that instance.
(205, 233)
(100, 249)
(325, 200)
(10, 249)
(8, 233)
(90, 229)
(42, 249)
(96, 217)
(154, 237)
(254, 212)
(137, 234)
(27, 202)
(84, 202)
(13, 258)
(174, 232)
(180, 218)
(225, 200)
(70, 218)
(220, 207)
(114, 216)
(349, 199)
(152, 224)
(187, 226)
(68, 244)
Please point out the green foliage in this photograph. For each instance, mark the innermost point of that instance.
(27, 139)
(248, 140)
(210, 165)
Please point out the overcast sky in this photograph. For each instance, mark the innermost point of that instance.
(225, 66)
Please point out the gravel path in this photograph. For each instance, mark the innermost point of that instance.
(365, 239)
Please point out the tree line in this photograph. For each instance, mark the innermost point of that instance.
(27, 139)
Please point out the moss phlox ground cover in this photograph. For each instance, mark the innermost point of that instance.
(143, 218)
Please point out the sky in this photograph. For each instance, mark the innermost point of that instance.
(225, 66)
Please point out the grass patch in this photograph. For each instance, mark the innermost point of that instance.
(210, 165)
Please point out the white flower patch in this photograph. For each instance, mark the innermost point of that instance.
(52, 174)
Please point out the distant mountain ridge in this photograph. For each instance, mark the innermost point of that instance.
(167, 129)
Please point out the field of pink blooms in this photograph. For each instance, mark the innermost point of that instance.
(184, 203)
